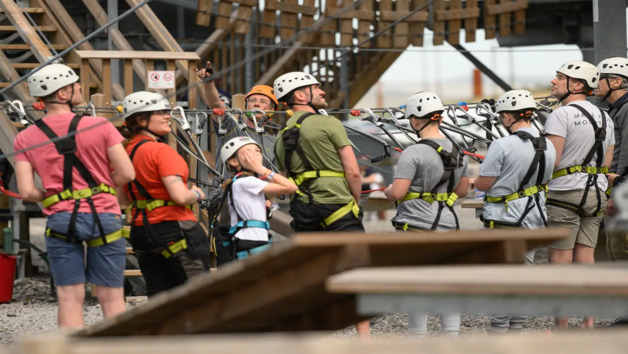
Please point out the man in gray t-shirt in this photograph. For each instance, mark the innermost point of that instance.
(422, 165)
(576, 197)
(511, 200)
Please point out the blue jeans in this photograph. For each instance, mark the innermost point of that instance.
(69, 264)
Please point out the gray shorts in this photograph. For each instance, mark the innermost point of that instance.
(584, 229)
(103, 265)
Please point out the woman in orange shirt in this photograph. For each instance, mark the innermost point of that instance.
(170, 244)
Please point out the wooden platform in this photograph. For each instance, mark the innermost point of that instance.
(599, 341)
(283, 289)
(559, 290)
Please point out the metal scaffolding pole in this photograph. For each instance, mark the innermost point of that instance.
(609, 29)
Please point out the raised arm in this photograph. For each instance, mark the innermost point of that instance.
(211, 93)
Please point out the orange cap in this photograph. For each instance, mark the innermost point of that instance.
(263, 90)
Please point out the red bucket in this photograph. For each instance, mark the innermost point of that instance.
(7, 276)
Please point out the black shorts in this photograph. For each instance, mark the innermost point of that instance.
(308, 217)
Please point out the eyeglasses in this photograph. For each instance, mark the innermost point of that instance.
(260, 100)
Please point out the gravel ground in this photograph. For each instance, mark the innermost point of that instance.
(34, 311)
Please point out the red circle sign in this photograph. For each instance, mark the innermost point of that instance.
(154, 76)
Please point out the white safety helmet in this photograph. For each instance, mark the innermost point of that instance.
(582, 70)
(50, 79)
(233, 145)
(515, 100)
(423, 103)
(144, 101)
(287, 83)
(614, 66)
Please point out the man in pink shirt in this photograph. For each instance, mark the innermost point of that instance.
(78, 193)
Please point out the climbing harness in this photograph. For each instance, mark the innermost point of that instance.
(532, 193)
(67, 148)
(303, 180)
(593, 171)
(450, 161)
(148, 204)
(243, 224)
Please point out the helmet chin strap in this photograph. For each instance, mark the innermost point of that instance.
(564, 97)
(431, 120)
(610, 90)
(160, 137)
(68, 102)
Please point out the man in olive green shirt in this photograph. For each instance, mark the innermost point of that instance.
(329, 179)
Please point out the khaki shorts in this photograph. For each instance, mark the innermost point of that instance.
(584, 229)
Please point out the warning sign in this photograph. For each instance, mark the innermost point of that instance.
(160, 79)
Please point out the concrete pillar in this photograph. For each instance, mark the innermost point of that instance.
(609, 29)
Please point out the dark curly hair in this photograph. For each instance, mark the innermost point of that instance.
(133, 127)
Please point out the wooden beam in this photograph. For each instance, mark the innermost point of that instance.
(606, 341)
(279, 65)
(118, 38)
(137, 54)
(8, 132)
(26, 31)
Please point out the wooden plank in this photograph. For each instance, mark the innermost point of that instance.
(307, 20)
(269, 17)
(505, 21)
(346, 26)
(12, 46)
(606, 341)
(520, 18)
(8, 132)
(471, 24)
(402, 39)
(132, 273)
(170, 93)
(364, 23)
(490, 21)
(203, 13)
(137, 54)
(34, 65)
(118, 39)
(507, 7)
(385, 10)
(84, 79)
(30, 10)
(128, 76)
(551, 280)
(457, 13)
(288, 18)
(223, 14)
(244, 12)
(159, 31)
(252, 295)
(106, 80)
(41, 28)
(417, 28)
(21, 90)
(73, 34)
(438, 26)
(26, 31)
(193, 88)
(328, 30)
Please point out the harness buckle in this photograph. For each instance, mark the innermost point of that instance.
(65, 194)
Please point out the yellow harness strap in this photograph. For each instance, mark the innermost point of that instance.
(154, 204)
(352, 206)
(516, 195)
(77, 194)
(448, 198)
(114, 236)
(302, 177)
(174, 248)
(592, 170)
